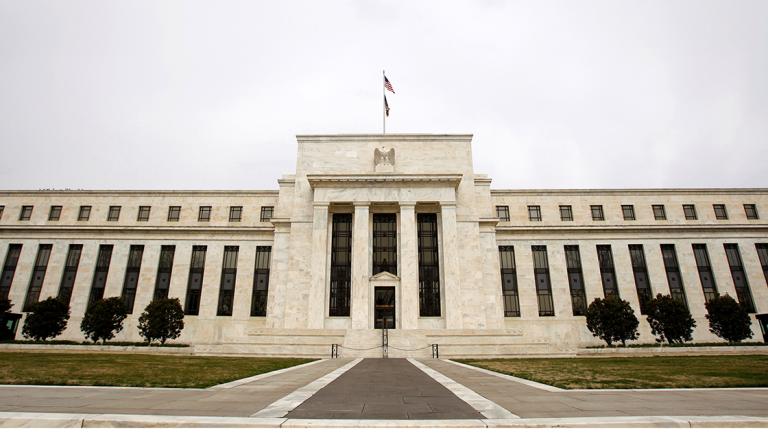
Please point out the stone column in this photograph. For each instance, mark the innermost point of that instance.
(452, 302)
(316, 309)
(409, 267)
(360, 268)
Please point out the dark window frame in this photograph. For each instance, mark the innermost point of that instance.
(384, 243)
(12, 256)
(509, 290)
(341, 265)
(597, 212)
(54, 214)
(430, 298)
(113, 213)
(762, 255)
(260, 294)
(26, 212)
(226, 302)
(502, 213)
(174, 213)
(628, 212)
(607, 271)
(575, 280)
(266, 213)
(131, 277)
(164, 272)
(534, 213)
(721, 211)
(236, 213)
(204, 213)
(69, 274)
(750, 211)
(704, 268)
(195, 280)
(659, 212)
(143, 214)
(542, 281)
(38, 276)
(100, 273)
(566, 213)
(689, 211)
(739, 276)
(640, 274)
(84, 213)
(674, 276)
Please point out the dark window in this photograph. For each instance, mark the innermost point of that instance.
(429, 265)
(26, 212)
(38, 275)
(261, 281)
(228, 278)
(235, 213)
(640, 270)
(690, 212)
(384, 243)
(543, 285)
(131, 280)
(509, 281)
(2, 208)
(173, 213)
(720, 212)
(164, 270)
(195, 281)
(84, 214)
(70, 272)
(750, 209)
(597, 212)
(204, 214)
(534, 213)
(674, 278)
(266, 213)
(114, 214)
(55, 213)
(762, 254)
(341, 265)
(502, 212)
(628, 211)
(658, 212)
(740, 282)
(576, 280)
(143, 213)
(705, 272)
(566, 213)
(100, 273)
(9, 269)
(607, 271)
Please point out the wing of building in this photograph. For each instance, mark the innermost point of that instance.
(385, 231)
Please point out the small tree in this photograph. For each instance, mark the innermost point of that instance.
(728, 319)
(162, 319)
(46, 319)
(670, 320)
(104, 319)
(612, 320)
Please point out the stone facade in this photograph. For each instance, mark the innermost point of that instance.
(407, 176)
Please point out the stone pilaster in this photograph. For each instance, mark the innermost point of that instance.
(360, 268)
(316, 306)
(409, 267)
(452, 304)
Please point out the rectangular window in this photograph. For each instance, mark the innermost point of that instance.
(164, 269)
(195, 281)
(762, 254)
(576, 280)
(131, 280)
(70, 273)
(720, 212)
(143, 213)
(173, 213)
(114, 214)
(55, 213)
(384, 243)
(228, 278)
(659, 213)
(543, 284)
(534, 213)
(566, 213)
(690, 212)
(640, 271)
(9, 270)
(26, 212)
(100, 273)
(429, 265)
(204, 214)
(750, 210)
(266, 213)
(235, 213)
(706, 276)
(2, 208)
(607, 271)
(628, 211)
(341, 265)
(597, 212)
(84, 214)
(674, 278)
(502, 212)
(740, 282)
(261, 281)
(509, 281)
(38, 276)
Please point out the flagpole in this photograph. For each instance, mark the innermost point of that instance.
(383, 105)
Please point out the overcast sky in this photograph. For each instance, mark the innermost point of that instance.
(210, 95)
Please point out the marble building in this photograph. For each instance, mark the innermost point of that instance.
(385, 231)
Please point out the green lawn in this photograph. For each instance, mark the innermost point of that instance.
(636, 372)
(135, 370)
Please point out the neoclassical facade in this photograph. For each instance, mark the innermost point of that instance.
(385, 231)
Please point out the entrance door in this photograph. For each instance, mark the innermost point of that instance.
(384, 307)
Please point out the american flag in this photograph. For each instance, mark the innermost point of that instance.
(388, 85)
(386, 105)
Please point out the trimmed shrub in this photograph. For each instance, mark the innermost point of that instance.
(104, 319)
(5, 305)
(670, 320)
(46, 319)
(728, 319)
(161, 320)
(612, 320)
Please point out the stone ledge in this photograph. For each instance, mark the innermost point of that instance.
(642, 351)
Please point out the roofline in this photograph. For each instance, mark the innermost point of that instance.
(641, 191)
(139, 192)
(381, 137)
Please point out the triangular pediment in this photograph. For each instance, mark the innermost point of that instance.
(384, 275)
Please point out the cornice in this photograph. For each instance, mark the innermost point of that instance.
(633, 191)
(632, 228)
(139, 193)
(366, 180)
(335, 138)
(136, 229)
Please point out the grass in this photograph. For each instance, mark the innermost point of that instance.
(636, 372)
(136, 370)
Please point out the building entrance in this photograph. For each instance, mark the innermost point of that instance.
(384, 307)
